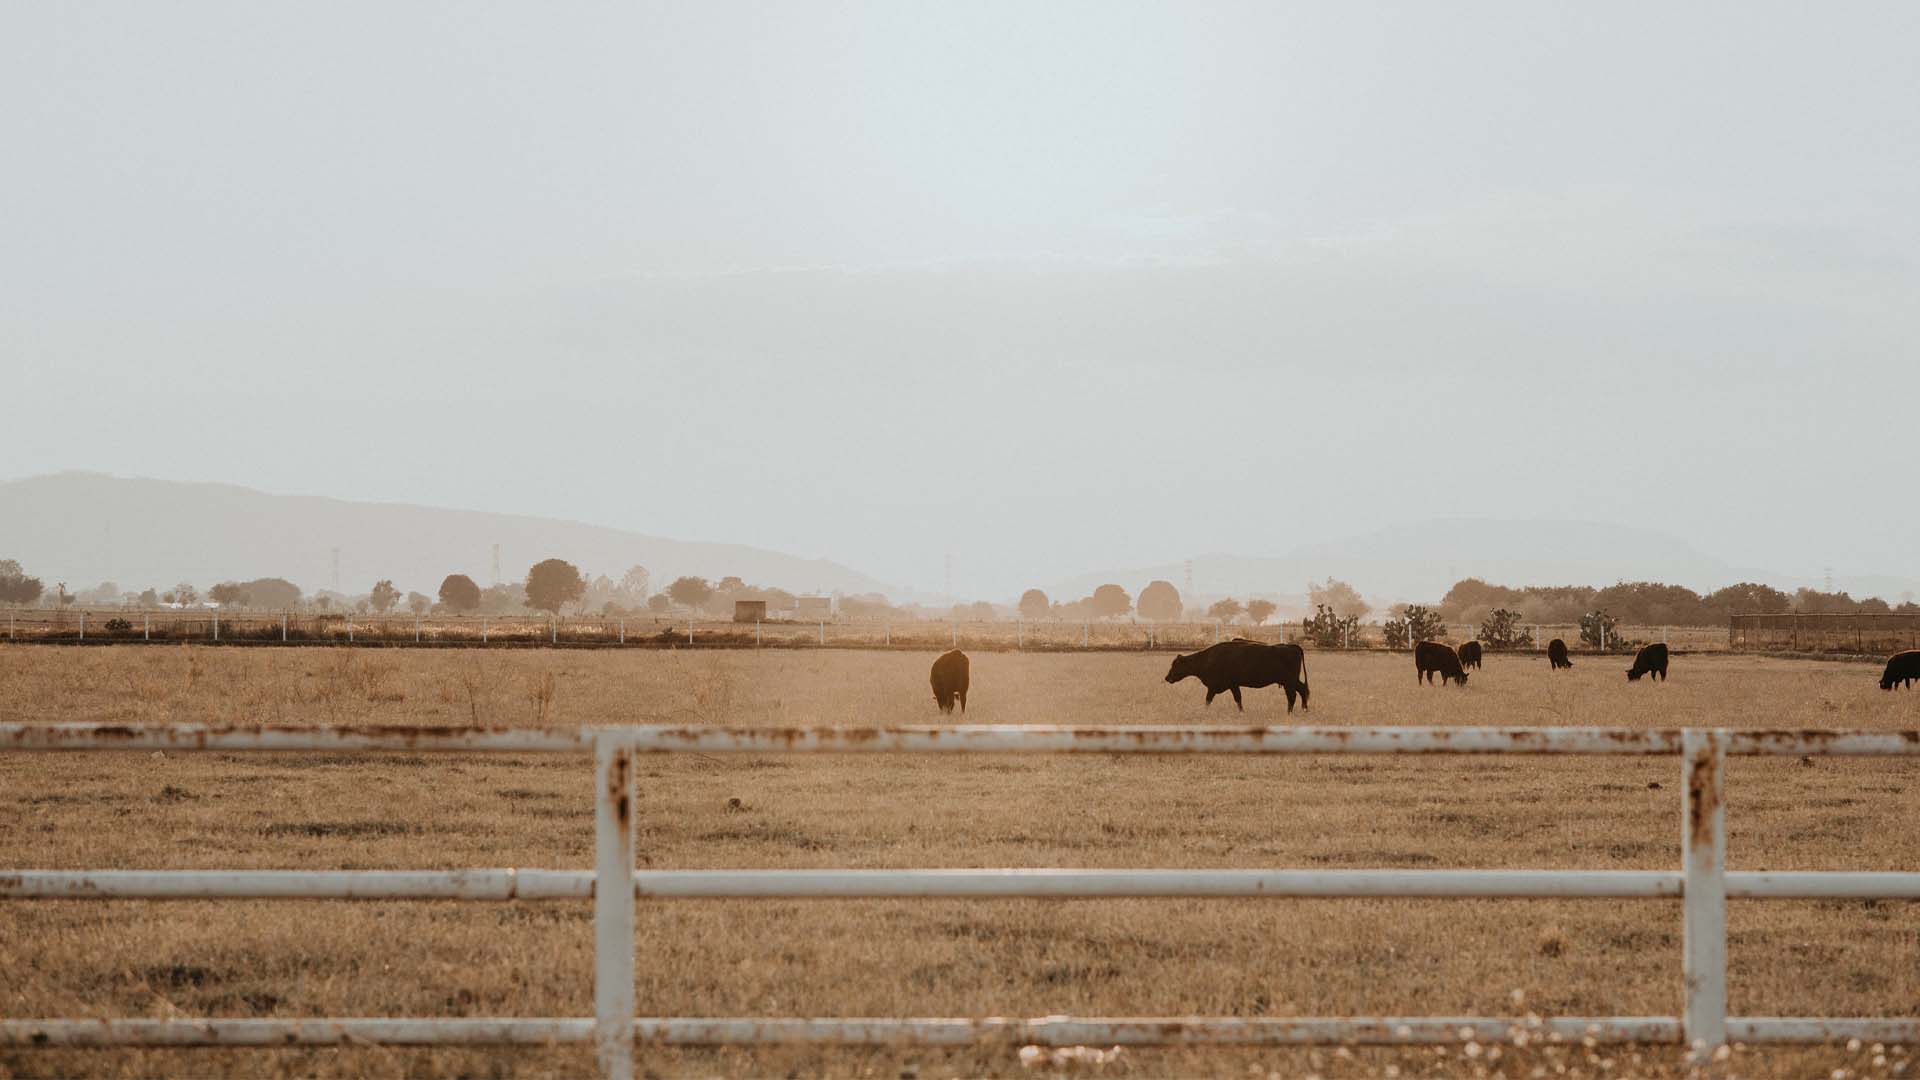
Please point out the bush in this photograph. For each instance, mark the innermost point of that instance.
(1502, 630)
(1417, 621)
(1330, 631)
(1591, 625)
(119, 626)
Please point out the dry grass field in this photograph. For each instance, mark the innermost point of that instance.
(873, 958)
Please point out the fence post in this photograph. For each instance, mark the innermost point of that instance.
(623, 631)
(889, 633)
(553, 629)
(1086, 633)
(823, 631)
(216, 626)
(1409, 633)
(756, 633)
(1020, 633)
(416, 628)
(689, 629)
(485, 625)
(12, 631)
(283, 628)
(956, 635)
(1703, 841)
(349, 629)
(83, 624)
(146, 626)
(613, 906)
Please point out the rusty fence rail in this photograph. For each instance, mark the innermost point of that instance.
(1702, 884)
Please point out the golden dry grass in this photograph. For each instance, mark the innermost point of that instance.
(1147, 957)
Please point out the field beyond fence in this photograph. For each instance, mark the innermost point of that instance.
(208, 626)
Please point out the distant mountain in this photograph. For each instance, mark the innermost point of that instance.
(1421, 561)
(84, 528)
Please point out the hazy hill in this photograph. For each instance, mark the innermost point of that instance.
(1421, 561)
(83, 528)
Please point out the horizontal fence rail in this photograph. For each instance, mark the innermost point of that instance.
(243, 626)
(1702, 885)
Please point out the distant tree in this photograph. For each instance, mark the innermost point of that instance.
(659, 603)
(1262, 610)
(383, 597)
(272, 593)
(419, 603)
(859, 606)
(185, 595)
(1343, 598)
(460, 593)
(1111, 602)
(1502, 630)
(1225, 610)
(981, 611)
(503, 599)
(1160, 601)
(15, 586)
(690, 591)
(1033, 604)
(730, 584)
(149, 598)
(637, 584)
(552, 584)
(61, 596)
(228, 594)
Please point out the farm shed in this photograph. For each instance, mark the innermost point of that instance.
(749, 610)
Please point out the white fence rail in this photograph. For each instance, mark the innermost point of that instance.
(1702, 884)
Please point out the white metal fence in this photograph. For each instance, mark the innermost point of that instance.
(1702, 884)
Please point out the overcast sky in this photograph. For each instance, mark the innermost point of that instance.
(1052, 287)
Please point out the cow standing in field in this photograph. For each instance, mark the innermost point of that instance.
(1230, 665)
(950, 680)
(1557, 654)
(1470, 655)
(1433, 656)
(1651, 659)
(1902, 668)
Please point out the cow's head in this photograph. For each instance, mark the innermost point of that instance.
(1633, 674)
(1462, 677)
(1182, 668)
(1886, 683)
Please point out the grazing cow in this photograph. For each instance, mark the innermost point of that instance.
(1432, 656)
(950, 680)
(1557, 654)
(1902, 668)
(1470, 655)
(1651, 658)
(1230, 665)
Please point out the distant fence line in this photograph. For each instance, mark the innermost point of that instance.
(1826, 632)
(114, 625)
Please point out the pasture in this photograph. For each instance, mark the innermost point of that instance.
(928, 958)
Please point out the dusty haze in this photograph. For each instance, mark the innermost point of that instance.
(1051, 289)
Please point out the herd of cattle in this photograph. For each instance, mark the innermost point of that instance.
(1231, 666)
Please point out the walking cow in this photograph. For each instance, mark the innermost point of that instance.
(1230, 665)
(1433, 656)
(950, 680)
(1652, 659)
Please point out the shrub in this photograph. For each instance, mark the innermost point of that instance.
(1330, 631)
(1417, 621)
(1502, 630)
(1591, 625)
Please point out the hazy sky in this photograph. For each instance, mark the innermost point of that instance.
(1053, 287)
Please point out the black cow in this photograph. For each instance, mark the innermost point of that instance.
(1557, 654)
(1230, 665)
(1432, 656)
(1651, 658)
(1902, 668)
(1470, 655)
(950, 680)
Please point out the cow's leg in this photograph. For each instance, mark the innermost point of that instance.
(963, 701)
(1236, 699)
(1289, 691)
(1210, 693)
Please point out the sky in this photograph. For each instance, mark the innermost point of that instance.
(1048, 288)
